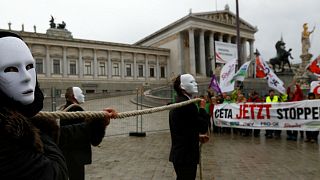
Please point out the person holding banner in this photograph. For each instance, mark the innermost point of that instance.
(227, 100)
(296, 95)
(188, 126)
(215, 128)
(272, 98)
(254, 97)
(312, 136)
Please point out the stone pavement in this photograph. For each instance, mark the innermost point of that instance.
(225, 156)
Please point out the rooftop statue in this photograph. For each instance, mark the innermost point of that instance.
(282, 57)
(58, 26)
(52, 24)
(305, 38)
(62, 25)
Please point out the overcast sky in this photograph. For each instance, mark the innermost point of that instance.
(127, 21)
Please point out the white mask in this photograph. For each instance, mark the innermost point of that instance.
(189, 84)
(78, 94)
(17, 70)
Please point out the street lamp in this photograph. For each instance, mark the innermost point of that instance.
(238, 33)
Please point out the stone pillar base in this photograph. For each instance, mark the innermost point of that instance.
(302, 76)
(59, 33)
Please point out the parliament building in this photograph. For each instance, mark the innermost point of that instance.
(185, 46)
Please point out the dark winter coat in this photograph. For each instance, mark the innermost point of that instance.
(28, 149)
(186, 123)
(76, 138)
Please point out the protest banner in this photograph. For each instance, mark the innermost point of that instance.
(299, 115)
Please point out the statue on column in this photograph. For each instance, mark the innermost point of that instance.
(305, 38)
(303, 76)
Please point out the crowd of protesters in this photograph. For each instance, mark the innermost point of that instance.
(294, 93)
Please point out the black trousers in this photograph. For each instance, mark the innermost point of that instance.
(76, 172)
(292, 133)
(185, 172)
(312, 135)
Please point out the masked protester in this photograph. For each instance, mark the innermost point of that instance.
(77, 150)
(188, 126)
(28, 144)
(28, 149)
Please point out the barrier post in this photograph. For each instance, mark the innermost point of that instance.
(137, 133)
(53, 99)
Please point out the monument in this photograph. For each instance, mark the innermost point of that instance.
(58, 30)
(302, 76)
(282, 57)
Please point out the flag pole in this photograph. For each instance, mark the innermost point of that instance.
(255, 64)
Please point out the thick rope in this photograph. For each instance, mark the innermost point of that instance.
(101, 114)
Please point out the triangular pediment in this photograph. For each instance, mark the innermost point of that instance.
(224, 17)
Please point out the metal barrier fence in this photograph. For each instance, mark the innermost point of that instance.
(137, 125)
(144, 123)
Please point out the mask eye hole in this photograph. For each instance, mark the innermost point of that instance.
(11, 69)
(29, 66)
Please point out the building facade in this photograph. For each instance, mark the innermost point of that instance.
(95, 66)
(191, 41)
(185, 46)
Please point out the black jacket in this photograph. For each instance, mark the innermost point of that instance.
(76, 138)
(186, 123)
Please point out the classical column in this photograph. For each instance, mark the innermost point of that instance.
(65, 64)
(220, 37)
(95, 64)
(180, 64)
(122, 66)
(80, 63)
(48, 62)
(109, 65)
(229, 38)
(252, 57)
(244, 51)
(147, 67)
(157, 68)
(134, 66)
(192, 57)
(252, 66)
(202, 55)
(211, 51)
(167, 68)
(251, 49)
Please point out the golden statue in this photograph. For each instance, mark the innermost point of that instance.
(305, 38)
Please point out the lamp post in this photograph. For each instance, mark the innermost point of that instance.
(238, 33)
